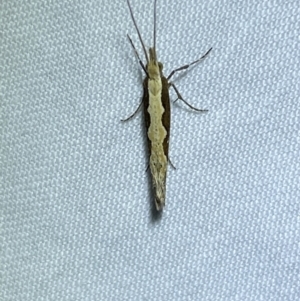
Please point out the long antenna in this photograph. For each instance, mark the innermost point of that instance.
(140, 37)
(154, 29)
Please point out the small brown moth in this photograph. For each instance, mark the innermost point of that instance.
(157, 111)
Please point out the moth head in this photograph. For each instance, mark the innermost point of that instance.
(152, 54)
(154, 67)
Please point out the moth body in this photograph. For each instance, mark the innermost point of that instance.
(157, 117)
(156, 102)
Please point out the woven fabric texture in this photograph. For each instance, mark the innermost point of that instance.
(76, 208)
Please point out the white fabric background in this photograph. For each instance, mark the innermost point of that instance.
(76, 217)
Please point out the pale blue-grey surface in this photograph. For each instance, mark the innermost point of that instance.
(75, 209)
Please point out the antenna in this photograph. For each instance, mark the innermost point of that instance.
(140, 37)
(154, 29)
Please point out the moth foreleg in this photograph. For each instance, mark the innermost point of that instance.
(137, 55)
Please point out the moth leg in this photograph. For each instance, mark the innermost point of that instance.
(133, 113)
(137, 55)
(170, 162)
(189, 65)
(180, 97)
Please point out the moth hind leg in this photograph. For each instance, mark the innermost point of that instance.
(172, 165)
(169, 161)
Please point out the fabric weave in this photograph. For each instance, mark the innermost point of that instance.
(76, 203)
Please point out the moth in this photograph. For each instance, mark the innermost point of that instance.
(157, 115)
